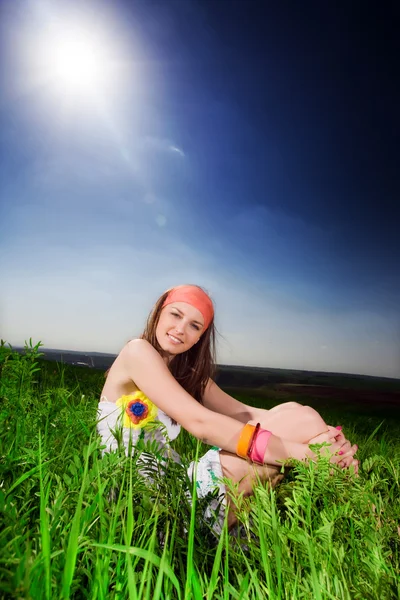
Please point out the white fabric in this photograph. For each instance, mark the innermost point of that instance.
(208, 478)
(209, 470)
(109, 420)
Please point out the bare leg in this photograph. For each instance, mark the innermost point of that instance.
(245, 474)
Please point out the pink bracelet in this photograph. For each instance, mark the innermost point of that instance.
(259, 446)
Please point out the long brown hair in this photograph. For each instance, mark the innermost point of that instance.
(192, 369)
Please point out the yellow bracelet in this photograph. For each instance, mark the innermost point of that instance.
(245, 440)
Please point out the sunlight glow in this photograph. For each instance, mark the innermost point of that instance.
(79, 65)
(75, 62)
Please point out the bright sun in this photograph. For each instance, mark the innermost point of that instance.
(75, 63)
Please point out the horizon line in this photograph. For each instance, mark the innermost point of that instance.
(111, 354)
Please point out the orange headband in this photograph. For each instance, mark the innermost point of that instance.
(194, 296)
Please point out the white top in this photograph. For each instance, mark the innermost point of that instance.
(109, 418)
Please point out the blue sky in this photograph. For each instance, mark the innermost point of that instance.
(250, 150)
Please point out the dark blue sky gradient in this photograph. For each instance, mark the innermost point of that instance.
(294, 108)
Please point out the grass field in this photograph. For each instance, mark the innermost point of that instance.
(75, 524)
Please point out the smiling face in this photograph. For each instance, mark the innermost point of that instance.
(179, 327)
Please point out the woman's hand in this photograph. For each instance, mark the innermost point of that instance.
(335, 445)
(341, 448)
(347, 458)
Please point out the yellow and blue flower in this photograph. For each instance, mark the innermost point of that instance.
(138, 410)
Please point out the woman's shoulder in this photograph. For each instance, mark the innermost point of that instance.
(139, 348)
(137, 342)
(141, 353)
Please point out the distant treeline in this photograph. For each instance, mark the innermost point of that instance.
(241, 377)
(254, 377)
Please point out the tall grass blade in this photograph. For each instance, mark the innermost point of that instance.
(44, 525)
(212, 585)
(73, 540)
(149, 557)
(189, 562)
(26, 476)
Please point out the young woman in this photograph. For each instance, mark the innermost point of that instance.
(164, 381)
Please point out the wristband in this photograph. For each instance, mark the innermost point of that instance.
(259, 446)
(245, 440)
(253, 440)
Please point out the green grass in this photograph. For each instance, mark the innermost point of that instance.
(75, 524)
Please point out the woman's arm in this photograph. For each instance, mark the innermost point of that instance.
(219, 401)
(289, 420)
(145, 367)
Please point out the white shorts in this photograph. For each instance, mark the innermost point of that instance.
(209, 481)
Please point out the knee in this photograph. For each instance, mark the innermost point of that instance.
(293, 405)
(310, 412)
(313, 422)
